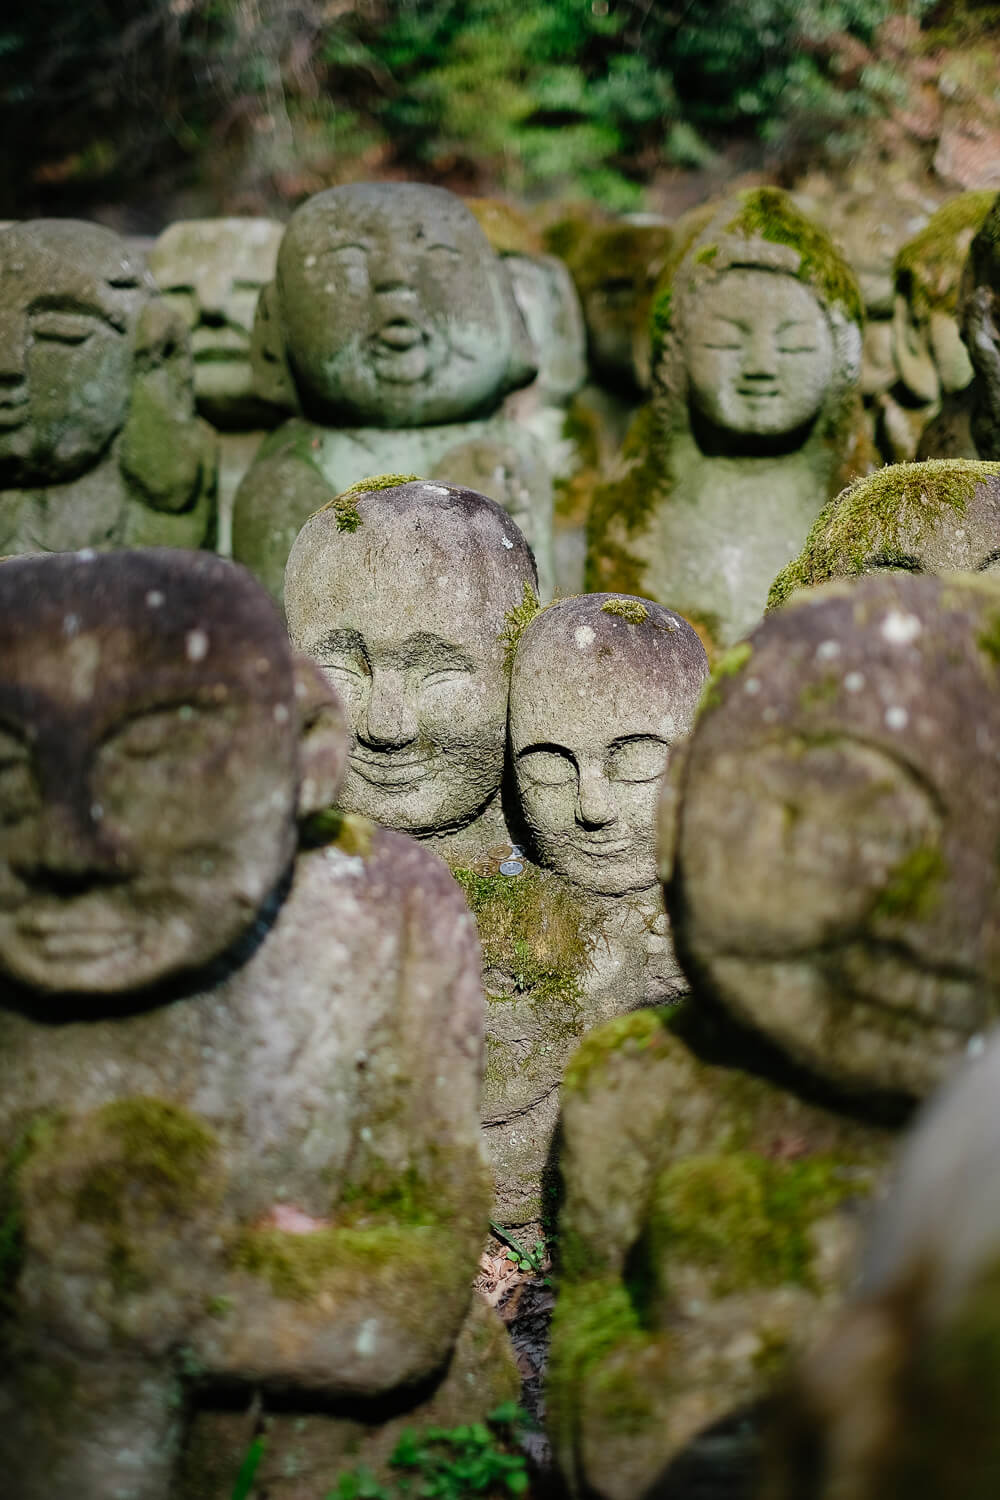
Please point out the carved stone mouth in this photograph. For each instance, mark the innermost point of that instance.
(390, 773)
(400, 334)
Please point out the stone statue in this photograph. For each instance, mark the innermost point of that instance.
(755, 419)
(602, 687)
(900, 1398)
(936, 517)
(969, 424)
(212, 271)
(392, 327)
(931, 361)
(99, 444)
(401, 592)
(828, 838)
(239, 1038)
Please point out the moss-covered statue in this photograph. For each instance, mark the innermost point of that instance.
(828, 842)
(969, 423)
(755, 419)
(936, 517)
(931, 362)
(901, 1398)
(99, 443)
(615, 266)
(401, 591)
(391, 326)
(212, 271)
(239, 1045)
(602, 687)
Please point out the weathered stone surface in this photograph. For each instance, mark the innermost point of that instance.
(979, 320)
(238, 1079)
(755, 419)
(935, 517)
(708, 1228)
(99, 444)
(401, 593)
(900, 1397)
(212, 271)
(306, 1452)
(393, 328)
(858, 927)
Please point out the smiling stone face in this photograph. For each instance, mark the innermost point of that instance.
(830, 843)
(70, 295)
(761, 354)
(212, 271)
(393, 307)
(602, 687)
(405, 614)
(148, 765)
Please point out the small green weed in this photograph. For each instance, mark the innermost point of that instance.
(248, 1469)
(447, 1463)
(525, 1260)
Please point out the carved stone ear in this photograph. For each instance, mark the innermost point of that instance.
(523, 364)
(325, 739)
(272, 377)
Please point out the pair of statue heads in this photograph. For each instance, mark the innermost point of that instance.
(416, 612)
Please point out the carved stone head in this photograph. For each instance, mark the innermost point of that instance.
(829, 842)
(150, 765)
(393, 310)
(71, 295)
(756, 323)
(602, 687)
(400, 593)
(212, 271)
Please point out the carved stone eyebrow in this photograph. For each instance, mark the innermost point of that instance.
(424, 649)
(739, 323)
(346, 642)
(58, 302)
(794, 323)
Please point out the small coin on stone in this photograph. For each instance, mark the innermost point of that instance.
(511, 867)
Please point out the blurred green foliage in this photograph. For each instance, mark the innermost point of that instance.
(533, 96)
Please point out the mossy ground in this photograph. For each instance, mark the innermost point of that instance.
(868, 522)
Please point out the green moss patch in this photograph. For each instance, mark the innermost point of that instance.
(621, 508)
(928, 268)
(913, 885)
(345, 505)
(516, 621)
(593, 1318)
(297, 1267)
(29, 1139)
(349, 832)
(989, 639)
(873, 517)
(769, 214)
(631, 1033)
(731, 662)
(743, 1216)
(531, 930)
(632, 610)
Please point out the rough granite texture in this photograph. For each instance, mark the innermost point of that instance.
(99, 443)
(392, 329)
(900, 1397)
(401, 594)
(848, 751)
(936, 517)
(707, 1232)
(755, 419)
(239, 1084)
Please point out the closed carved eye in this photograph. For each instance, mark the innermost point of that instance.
(64, 327)
(547, 768)
(640, 759)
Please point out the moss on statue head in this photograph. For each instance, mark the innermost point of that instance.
(769, 214)
(928, 268)
(868, 523)
(913, 885)
(631, 1033)
(516, 621)
(345, 505)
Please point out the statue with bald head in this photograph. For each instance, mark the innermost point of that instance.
(99, 444)
(229, 1157)
(391, 330)
(603, 688)
(212, 272)
(400, 591)
(827, 842)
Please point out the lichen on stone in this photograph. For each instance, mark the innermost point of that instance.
(532, 932)
(872, 516)
(516, 621)
(632, 610)
(345, 505)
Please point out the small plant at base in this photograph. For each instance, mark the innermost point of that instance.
(248, 1469)
(447, 1463)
